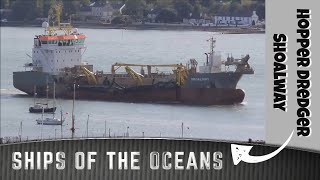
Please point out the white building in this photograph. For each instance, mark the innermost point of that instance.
(105, 12)
(197, 22)
(229, 20)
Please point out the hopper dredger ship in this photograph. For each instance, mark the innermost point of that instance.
(57, 57)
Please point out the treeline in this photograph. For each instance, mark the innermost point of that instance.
(31, 9)
(166, 10)
(176, 10)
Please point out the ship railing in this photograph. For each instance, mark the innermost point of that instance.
(31, 65)
(160, 74)
(124, 135)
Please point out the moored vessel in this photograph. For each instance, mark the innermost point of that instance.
(49, 121)
(57, 59)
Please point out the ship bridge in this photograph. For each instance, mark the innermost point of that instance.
(57, 49)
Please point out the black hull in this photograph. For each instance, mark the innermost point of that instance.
(200, 89)
(45, 110)
(162, 95)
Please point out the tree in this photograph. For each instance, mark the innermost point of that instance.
(85, 2)
(164, 3)
(121, 20)
(197, 10)
(24, 10)
(5, 4)
(261, 10)
(207, 3)
(135, 8)
(70, 7)
(39, 6)
(184, 9)
(235, 8)
(100, 1)
(167, 15)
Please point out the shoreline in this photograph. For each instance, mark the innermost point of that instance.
(154, 26)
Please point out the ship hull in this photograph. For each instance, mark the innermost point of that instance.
(220, 90)
(26, 81)
(45, 110)
(174, 95)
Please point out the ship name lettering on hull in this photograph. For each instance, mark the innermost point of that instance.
(199, 79)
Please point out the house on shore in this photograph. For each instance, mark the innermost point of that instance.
(244, 19)
(198, 22)
(106, 11)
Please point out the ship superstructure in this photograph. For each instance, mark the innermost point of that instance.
(52, 53)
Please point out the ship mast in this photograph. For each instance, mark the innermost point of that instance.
(212, 44)
(47, 92)
(54, 96)
(73, 117)
(55, 12)
(34, 95)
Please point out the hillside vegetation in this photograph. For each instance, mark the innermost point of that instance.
(167, 10)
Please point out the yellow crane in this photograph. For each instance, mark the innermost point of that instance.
(90, 76)
(55, 12)
(180, 70)
(134, 74)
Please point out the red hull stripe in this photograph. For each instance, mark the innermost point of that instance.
(66, 37)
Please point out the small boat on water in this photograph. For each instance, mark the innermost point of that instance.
(43, 107)
(50, 121)
(37, 108)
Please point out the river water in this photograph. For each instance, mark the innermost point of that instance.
(105, 47)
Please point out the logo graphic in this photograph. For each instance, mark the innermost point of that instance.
(241, 153)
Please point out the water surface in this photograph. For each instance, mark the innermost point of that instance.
(105, 47)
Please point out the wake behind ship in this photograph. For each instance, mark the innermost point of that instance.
(57, 57)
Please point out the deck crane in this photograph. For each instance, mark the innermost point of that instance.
(179, 70)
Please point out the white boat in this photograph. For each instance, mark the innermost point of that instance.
(49, 121)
